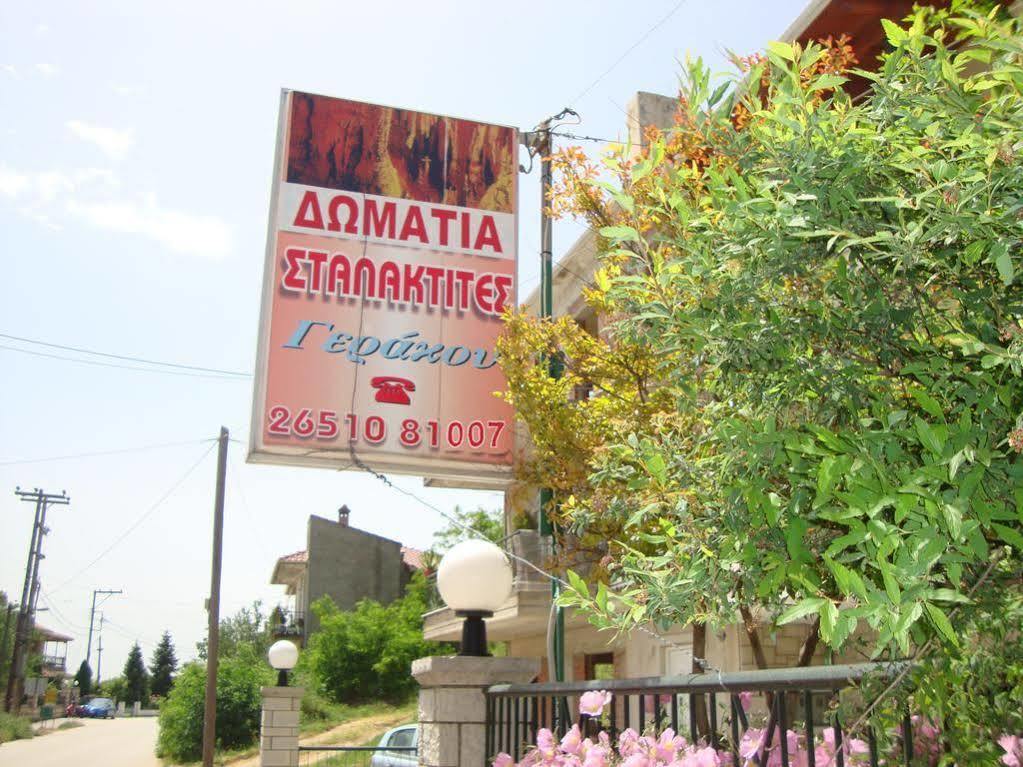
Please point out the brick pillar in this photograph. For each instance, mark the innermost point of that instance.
(278, 731)
(452, 708)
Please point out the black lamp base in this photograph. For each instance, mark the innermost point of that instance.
(474, 633)
(282, 677)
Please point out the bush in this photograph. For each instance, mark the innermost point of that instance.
(14, 727)
(366, 653)
(238, 708)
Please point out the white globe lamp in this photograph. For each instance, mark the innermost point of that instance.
(474, 579)
(283, 656)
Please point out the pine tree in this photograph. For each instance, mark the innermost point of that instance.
(163, 666)
(84, 678)
(136, 678)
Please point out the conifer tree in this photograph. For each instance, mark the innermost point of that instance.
(84, 678)
(136, 678)
(163, 666)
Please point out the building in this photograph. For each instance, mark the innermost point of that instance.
(344, 563)
(523, 620)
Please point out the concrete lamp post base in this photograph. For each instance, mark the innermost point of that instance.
(278, 732)
(452, 706)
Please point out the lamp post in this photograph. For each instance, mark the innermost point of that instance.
(283, 656)
(474, 579)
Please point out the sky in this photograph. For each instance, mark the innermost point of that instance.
(136, 145)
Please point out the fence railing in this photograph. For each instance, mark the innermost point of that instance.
(708, 708)
(358, 756)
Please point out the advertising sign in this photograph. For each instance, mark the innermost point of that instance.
(391, 255)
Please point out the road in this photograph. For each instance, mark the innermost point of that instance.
(98, 743)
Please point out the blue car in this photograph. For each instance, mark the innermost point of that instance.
(100, 708)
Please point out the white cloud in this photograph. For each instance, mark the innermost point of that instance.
(52, 198)
(47, 70)
(10, 69)
(128, 90)
(42, 28)
(180, 231)
(112, 142)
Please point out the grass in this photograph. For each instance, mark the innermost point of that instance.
(70, 724)
(14, 727)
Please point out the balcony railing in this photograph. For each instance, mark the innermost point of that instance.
(797, 703)
(286, 623)
(54, 663)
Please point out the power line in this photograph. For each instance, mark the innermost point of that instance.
(140, 520)
(629, 50)
(120, 451)
(125, 357)
(97, 363)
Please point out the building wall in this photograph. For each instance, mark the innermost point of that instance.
(349, 564)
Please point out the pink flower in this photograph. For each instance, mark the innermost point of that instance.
(1013, 746)
(667, 746)
(503, 760)
(573, 741)
(595, 757)
(745, 699)
(545, 745)
(637, 759)
(628, 743)
(592, 703)
(705, 757)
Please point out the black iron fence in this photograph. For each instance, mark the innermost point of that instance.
(358, 756)
(707, 708)
(286, 623)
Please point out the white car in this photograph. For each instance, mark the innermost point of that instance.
(397, 748)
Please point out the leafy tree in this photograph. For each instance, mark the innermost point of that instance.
(486, 523)
(248, 630)
(114, 688)
(84, 678)
(163, 666)
(808, 389)
(6, 636)
(365, 653)
(136, 678)
(238, 708)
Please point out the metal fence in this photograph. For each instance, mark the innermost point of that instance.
(357, 756)
(790, 699)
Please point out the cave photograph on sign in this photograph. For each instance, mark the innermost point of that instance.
(391, 256)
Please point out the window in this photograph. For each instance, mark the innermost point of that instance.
(403, 738)
(600, 666)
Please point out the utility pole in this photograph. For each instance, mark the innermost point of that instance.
(541, 142)
(209, 725)
(92, 617)
(29, 592)
(99, 653)
(7, 633)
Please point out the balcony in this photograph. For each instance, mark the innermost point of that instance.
(54, 663)
(286, 623)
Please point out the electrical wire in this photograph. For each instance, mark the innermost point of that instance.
(97, 363)
(629, 50)
(124, 357)
(141, 519)
(120, 451)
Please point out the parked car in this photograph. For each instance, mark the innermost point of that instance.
(100, 708)
(398, 748)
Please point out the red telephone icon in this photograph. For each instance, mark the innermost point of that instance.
(392, 390)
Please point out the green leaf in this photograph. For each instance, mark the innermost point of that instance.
(1003, 261)
(782, 49)
(928, 403)
(848, 580)
(800, 610)
(891, 585)
(620, 233)
(896, 35)
(1010, 536)
(930, 437)
(942, 623)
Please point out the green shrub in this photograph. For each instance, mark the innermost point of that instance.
(14, 727)
(366, 653)
(238, 707)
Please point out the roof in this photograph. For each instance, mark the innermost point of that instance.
(412, 557)
(49, 635)
(298, 557)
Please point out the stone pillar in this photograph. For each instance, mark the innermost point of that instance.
(452, 707)
(278, 732)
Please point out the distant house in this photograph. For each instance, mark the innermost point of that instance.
(52, 647)
(344, 563)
